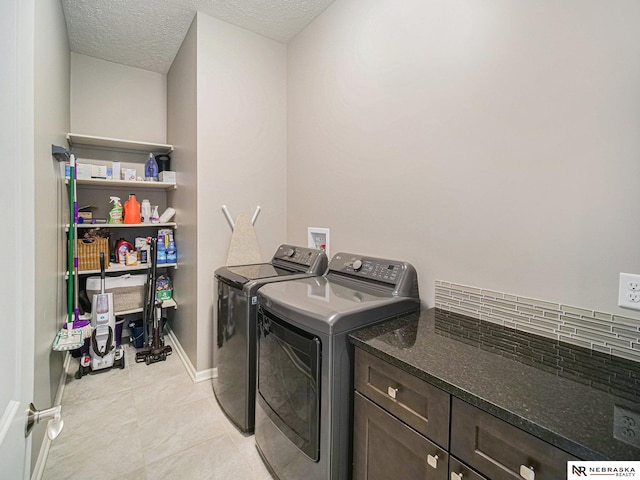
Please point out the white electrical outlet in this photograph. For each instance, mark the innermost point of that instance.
(626, 425)
(629, 291)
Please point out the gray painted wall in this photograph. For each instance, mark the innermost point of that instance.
(492, 144)
(118, 101)
(51, 92)
(182, 133)
(242, 155)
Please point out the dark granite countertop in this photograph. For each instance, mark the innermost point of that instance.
(563, 394)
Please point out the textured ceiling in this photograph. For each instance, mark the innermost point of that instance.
(148, 33)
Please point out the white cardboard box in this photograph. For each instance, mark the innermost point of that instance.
(128, 174)
(167, 176)
(83, 170)
(98, 171)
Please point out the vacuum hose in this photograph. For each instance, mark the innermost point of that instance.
(108, 346)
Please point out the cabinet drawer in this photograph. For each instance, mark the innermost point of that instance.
(500, 450)
(384, 447)
(415, 402)
(459, 471)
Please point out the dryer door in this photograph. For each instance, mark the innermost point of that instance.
(289, 381)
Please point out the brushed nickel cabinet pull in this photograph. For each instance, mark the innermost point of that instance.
(527, 472)
(432, 460)
(456, 476)
(392, 392)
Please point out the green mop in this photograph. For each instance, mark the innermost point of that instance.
(71, 338)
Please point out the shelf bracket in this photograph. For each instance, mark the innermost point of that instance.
(61, 154)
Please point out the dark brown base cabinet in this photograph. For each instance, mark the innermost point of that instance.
(401, 431)
(386, 448)
(500, 450)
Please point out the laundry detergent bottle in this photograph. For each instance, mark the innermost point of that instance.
(171, 251)
(115, 214)
(122, 249)
(132, 210)
(161, 254)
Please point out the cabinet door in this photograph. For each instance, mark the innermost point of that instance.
(501, 451)
(414, 401)
(385, 448)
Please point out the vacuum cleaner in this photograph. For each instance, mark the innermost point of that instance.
(157, 351)
(103, 352)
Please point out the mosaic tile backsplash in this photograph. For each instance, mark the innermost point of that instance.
(606, 372)
(599, 331)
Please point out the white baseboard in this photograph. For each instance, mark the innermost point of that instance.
(196, 376)
(38, 469)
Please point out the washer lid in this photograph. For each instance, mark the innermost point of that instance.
(288, 260)
(241, 276)
(332, 306)
(260, 270)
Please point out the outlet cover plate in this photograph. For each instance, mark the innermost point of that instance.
(629, 291)
(626, 425)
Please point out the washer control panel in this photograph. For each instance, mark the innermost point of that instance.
(306, 258)
(400, 277)
(388, 271)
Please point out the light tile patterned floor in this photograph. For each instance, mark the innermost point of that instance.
(147, 422)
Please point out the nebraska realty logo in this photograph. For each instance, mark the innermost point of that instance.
(582, 470)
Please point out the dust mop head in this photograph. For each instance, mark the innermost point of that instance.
(69, 339)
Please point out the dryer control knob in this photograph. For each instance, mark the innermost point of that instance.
(357, 265)
(289, 253)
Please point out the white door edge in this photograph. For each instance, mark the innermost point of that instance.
(8, 417)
